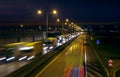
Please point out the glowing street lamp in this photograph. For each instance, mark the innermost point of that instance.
(63, 23)
(72, 23)
(21, 25)
(39, 12)
(54, 12)
(58, 20)
(67, 20)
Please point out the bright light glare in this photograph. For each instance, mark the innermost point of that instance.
(22, 58)
(67, 20)
(3, 58)
(30, 57)
(51, 47)
(26, 48)
(11, 58)
(39, 12)
(58, 20)
(45, 48)
(54, 11)
(21, 25)
(65, 23)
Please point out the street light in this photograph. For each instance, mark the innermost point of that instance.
(21, 25)
(54, 12)
(58, 20)
(62, 23)
(39, 12)
(67, 20)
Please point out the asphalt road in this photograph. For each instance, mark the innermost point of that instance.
(69, 63)
(8, 68)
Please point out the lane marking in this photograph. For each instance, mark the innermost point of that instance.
(85, 56)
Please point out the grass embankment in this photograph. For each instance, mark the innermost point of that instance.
(107, 49)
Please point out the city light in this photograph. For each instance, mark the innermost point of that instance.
(58, 20)
(39, 12)
(67, 20)
(54, 12)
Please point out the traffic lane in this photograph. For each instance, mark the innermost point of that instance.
(8, 68)
(74, 60)
(91, 58)
(65, 62)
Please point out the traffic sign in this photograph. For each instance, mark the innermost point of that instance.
(97, 42)
(110, 63)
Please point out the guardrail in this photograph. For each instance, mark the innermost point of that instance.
(32, 68)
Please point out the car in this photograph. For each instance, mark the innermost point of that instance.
(85, 42)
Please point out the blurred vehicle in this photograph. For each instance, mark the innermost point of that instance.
(85, 38)
(20, 51)
(50, 41)
(7, 51)
(30, 50)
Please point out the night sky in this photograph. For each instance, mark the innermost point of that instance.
(25, 11)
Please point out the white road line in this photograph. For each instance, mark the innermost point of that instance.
(85, 61)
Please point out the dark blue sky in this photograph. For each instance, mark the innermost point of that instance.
(14, 11)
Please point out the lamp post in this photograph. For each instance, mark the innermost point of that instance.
(54, 12)
(40, 12)
(62, 24)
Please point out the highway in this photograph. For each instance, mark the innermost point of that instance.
(76, 60)
(69, 63)
(8, 68)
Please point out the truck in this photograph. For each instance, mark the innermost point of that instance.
(30, 50)
(7, 51)
(51, 41)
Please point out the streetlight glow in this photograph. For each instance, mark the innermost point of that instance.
(21, 25)
(58, 20)
(69, 25)
(47, 21)
(67, 20)
(39, 12)
(54, 11)
(72, 23)
(65, 23)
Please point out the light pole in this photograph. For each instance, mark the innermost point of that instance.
(54, 12)
(62, 24)
(46, 24)
(40, 12)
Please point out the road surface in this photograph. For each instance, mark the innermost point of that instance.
(69, 63)
(8, 68)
